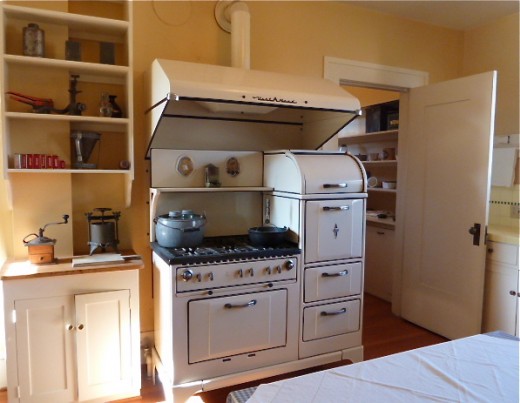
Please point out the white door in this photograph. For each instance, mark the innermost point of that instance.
(103, 340)
(445, 148)
(44, 339)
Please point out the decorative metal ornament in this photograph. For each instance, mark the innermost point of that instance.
(184, 165)
(232, 167)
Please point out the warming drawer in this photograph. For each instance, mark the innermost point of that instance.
(313, 172)
(331, 320)
(334, 229)
(337, 281)
(222, 327)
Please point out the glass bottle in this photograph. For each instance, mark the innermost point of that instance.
(33, 41)
(105, 107)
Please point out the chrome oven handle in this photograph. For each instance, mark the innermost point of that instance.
(340, 312)
(336, 208)
(246, 305)
(335, 185)
(339, 274)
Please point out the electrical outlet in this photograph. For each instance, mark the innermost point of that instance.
(515, 211)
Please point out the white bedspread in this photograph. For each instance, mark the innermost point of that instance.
(480, 368)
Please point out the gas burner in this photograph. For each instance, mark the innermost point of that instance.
(221, 249)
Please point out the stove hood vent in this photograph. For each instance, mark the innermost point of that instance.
(207, 107)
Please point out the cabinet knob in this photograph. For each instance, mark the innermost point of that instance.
(490, 250)
(70, 327)
(81, 326)
(513, 293)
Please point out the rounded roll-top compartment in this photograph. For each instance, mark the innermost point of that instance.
(313, 172)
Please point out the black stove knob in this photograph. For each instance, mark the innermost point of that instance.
(289, 265)
(187, 275)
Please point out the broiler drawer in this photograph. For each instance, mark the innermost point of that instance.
(226, 326)
(334, 229)
(331, 320)
(337, 281)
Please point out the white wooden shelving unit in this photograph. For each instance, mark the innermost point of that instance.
(31, 76)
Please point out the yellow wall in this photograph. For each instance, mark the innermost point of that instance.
(495, 46)
(286, 36)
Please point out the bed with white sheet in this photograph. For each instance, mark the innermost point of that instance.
(481, 368)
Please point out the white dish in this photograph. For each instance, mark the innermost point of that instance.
(389, 185)
(372, 182)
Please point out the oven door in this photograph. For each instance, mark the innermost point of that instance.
(334, 229)
(226, 326)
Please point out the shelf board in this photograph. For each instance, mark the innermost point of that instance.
(382, 163)
(221, 189)
(123, 122)
(76, 22)
(376, 137)
(68, 171)
(110, 71)
(382, 190)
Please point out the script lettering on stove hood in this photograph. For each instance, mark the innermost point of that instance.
(276, 100)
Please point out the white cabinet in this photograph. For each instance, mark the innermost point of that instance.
(27, 130)
(73, 338)
(502, 289)
(379, 261)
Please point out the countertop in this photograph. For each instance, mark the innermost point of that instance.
(502, 233)
(23, 269)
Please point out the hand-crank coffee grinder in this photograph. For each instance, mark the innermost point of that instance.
(102, 229)
(41, 248)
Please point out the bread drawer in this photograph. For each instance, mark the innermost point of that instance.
(331, 319)
(503, 253)
(334, 281)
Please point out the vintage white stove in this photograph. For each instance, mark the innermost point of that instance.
(227, 312)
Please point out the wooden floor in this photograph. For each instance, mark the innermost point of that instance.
(383, 334)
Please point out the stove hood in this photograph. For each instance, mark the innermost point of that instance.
(207, 107)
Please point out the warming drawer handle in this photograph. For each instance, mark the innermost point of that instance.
(335, 185)
(339, 274)
(335, 208)
(246, 305)
(340, 312)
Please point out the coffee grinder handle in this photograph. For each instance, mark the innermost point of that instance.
(65, 221)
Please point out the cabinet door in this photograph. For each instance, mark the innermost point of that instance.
(379, 258)
(44, 335)
(500, 298)
(103, 340)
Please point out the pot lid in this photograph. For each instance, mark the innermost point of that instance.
(199, 106)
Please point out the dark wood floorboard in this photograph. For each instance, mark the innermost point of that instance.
(383, 334)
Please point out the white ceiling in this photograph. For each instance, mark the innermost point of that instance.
(456, 14)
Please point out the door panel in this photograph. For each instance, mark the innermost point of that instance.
(334, 229)
(103, 338)
(220, 327)
(447, 142)
(331, 320)
(334, 281)
(44, 346)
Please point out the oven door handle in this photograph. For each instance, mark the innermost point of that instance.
(335, 185)
(335, 208)
(339, 274)
(340, 312)
(246, 305)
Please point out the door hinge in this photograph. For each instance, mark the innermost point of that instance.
(18, 393)
(13, 316)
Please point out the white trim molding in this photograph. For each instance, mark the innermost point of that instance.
(353, 72)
